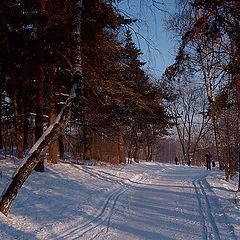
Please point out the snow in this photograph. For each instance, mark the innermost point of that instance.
(134, 201)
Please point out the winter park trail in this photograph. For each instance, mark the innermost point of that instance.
(146, 201)
(211, 230)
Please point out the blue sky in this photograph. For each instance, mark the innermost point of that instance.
(150, 35)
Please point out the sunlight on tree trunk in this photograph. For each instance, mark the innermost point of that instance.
(121, 148)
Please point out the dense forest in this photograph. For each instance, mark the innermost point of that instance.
(73, 82)
(71, 67)
(117, 105)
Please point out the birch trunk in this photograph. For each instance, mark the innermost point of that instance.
(53, 131)
(209, 86)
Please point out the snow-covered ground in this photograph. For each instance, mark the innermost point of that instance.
(126, 202)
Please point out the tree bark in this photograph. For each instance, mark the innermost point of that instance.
(53, 149)
(61, 147)
(53, 131)
(237, 85)
(40, 84)
(149, 152)
(86, 143)
(238, 169)
(39, 108)
(1, 137)
(121, 148)
(18, 112)
(136, 152)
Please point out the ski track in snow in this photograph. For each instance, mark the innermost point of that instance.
(210, 229)
(101, 221)
(139, 201)
(103, 216)
(215, 207)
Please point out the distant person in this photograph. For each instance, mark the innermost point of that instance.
(213, 163)
(130, 160)
(208, 158)
(176, 161)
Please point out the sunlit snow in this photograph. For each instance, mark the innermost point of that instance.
(125, 202)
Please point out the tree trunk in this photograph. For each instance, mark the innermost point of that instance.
(209, 77)
(149, 153)
(218, 141)
(130, 151)
(61, 147)
(121, 148)
(136, 152)
(53, 149)
(181, 138)
(50, 135)
(237, 85)
(227, 174)
(86, 143)
(39, 108)
(18, 125)
(1, 137)
(227, 135)
(238, 168)
(26, 128)
(53, 131)
(40, 84)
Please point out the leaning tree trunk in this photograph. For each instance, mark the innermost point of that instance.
(53, 131)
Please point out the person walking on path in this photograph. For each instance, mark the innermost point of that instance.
(176, 161)
(208, 158)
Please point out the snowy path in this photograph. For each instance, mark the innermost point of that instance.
(139, 201)
(212, 227)
(150, 205)
(168, 205)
